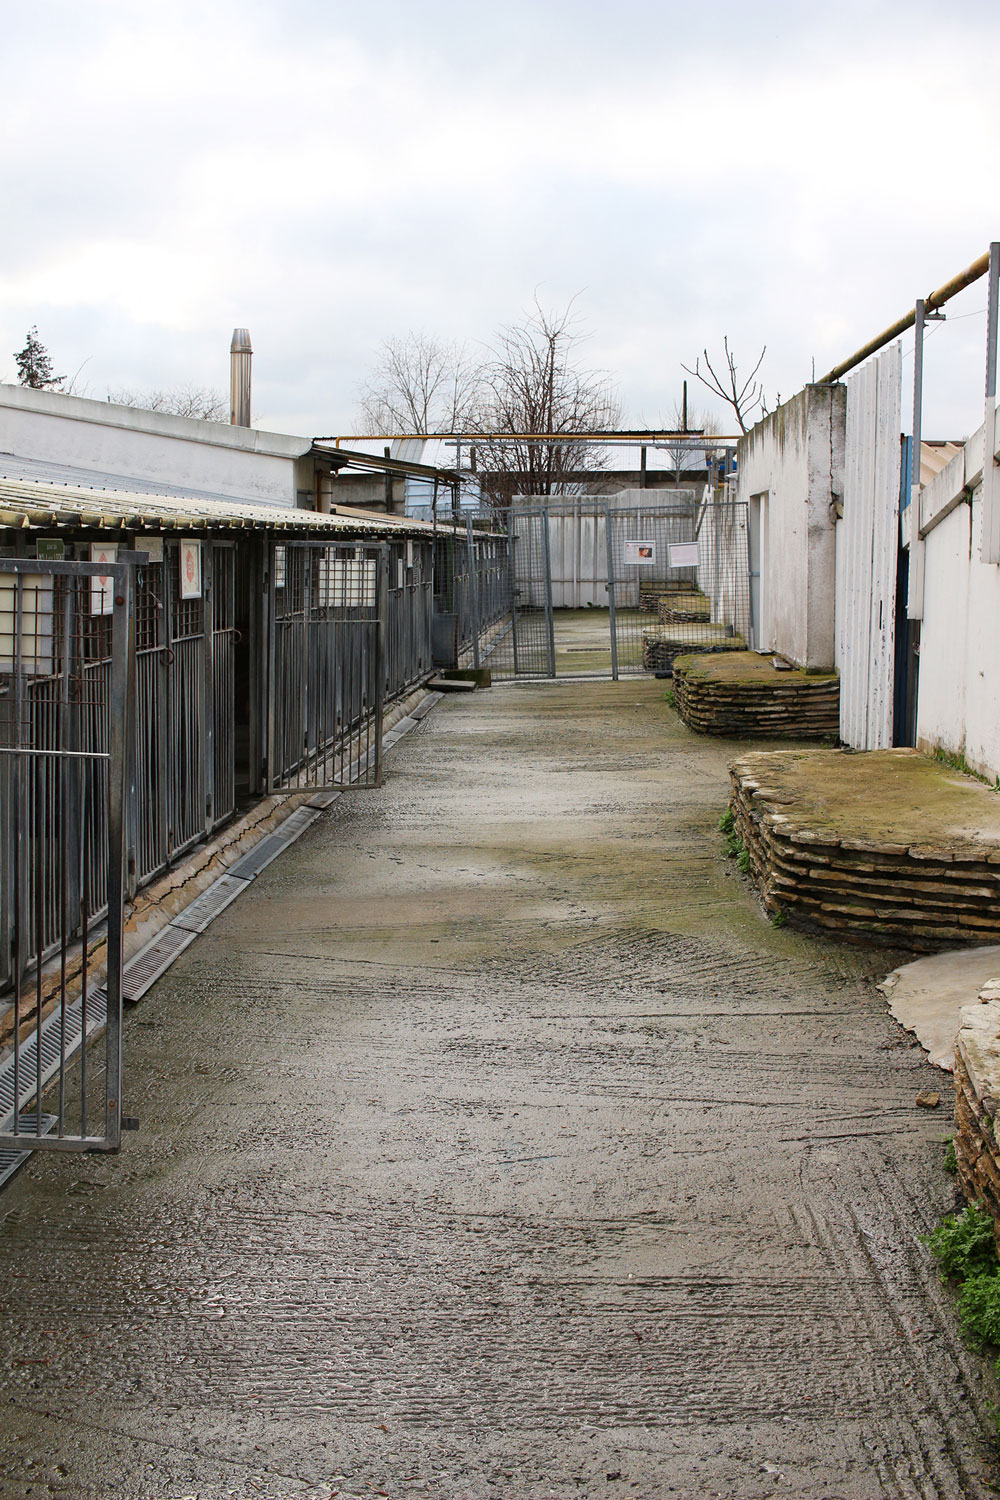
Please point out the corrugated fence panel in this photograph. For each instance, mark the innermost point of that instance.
(866, 581)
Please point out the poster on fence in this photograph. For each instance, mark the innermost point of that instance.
(640, 554)
(683, 554)
(102, 592)
(190, 569)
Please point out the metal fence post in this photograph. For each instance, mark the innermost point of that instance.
(477, 623)
(382, 617)
(270, 668)
(612, 621)
(549, 622)
(122, 695)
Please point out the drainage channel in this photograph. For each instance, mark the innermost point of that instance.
(144, 968)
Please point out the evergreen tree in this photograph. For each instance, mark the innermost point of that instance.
(34, 367)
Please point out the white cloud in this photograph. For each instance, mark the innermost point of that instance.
(783, 178)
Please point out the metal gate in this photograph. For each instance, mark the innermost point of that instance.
(66, 691)
(678, 582)
(184, 766)
(328, 607)
(525, 647)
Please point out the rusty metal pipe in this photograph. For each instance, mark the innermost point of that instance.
(936, 299)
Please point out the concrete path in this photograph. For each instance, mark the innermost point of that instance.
(493, 1145)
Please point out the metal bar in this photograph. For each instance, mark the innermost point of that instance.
(270, 745)
(612, 619)
(382, 607)
(206, 695)
(39, 832)
(919, 314)
(22, 834)
(23, 752)
(84, 887)
(991, 320)
(549, 622)
(121, 697)
(64, 849)
(477, 623)
(511, 537)
(990, 550)
(944, 293)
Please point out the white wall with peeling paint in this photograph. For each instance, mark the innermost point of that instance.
(790, 469)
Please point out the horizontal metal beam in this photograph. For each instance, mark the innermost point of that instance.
(943, 294)
(696, 436)
(349, 458)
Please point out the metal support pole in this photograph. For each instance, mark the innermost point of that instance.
(477, 623)
(119, 738)
(512, 570)
(382, 599)
(991, 480)
(915, 594)
(270, 685)
(549, 622)
(612, 622)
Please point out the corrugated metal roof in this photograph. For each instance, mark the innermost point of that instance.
(13, 466)
(935, 456)
(34, 503)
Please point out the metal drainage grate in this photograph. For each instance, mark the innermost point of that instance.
(150, 962)
(256, 858)
(206, 907)
(296, 823)
(11, 1159)
(51, 1051)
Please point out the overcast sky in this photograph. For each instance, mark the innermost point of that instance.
(330, 175)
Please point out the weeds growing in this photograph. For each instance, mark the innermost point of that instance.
(963, 1244)
(735, 848)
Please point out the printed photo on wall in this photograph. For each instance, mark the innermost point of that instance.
(640, 554)
(190, 570)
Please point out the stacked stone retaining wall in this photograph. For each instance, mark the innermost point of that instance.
(977, 1098)
(764, 702)
(917, 896)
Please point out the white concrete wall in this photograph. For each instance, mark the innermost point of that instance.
(958, 697)
(151, 446)
(795, 457)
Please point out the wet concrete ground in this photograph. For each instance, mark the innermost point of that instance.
(494, 1145)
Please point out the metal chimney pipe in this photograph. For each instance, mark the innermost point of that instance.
(240, 355)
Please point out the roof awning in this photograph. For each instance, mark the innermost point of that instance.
(34, 504)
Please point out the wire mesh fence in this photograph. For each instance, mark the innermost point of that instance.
(679, 582)
(525, 646)
(598, 588)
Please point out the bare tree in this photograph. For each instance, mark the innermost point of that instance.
(181, 401)
(745, 396)
(420, 384)
(534, 382)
